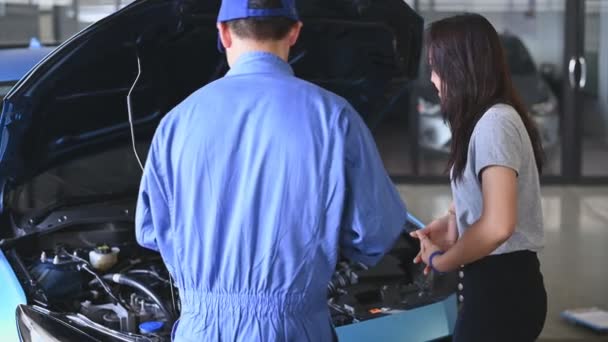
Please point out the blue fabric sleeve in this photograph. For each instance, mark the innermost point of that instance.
(152, 214)
(374, 215)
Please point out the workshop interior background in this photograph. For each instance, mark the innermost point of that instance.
(413, 139)
(410, 137)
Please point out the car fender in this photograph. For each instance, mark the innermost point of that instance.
(11, 296)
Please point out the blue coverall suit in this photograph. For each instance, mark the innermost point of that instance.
(252, 188)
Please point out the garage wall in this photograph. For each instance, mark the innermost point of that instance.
(18, 23)
(602, 73)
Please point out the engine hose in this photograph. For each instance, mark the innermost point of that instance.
(128, 281)
(149, 273)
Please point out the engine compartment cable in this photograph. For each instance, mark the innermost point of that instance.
(130, 111)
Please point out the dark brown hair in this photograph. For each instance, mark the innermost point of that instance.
(266, 28)
(467, 55)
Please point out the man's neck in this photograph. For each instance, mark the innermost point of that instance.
(278, 48)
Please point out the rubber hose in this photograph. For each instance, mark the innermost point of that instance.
(128, 281)
(149, 273)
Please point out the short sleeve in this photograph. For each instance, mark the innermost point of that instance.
(497, 141)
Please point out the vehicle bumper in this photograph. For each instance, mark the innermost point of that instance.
(425, 323)
(11, 296)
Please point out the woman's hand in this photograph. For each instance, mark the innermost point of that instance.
(442, 231)
(427, 248)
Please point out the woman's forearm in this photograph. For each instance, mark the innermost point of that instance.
(477, 242)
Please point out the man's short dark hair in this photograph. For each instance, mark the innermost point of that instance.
(267, 28)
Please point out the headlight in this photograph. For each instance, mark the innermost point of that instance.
(32, 326)
(38, 325)
(545, 108)
(428, 108)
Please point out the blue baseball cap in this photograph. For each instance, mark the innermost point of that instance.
(241, 9)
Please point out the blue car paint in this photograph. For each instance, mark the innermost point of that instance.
(15, 63)
(11, 296)
(451, 311)
(425, 323)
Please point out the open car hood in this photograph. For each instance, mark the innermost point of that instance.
(74, 102)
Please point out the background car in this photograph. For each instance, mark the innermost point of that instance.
(69, 264)
(16, 62)
(434, 133)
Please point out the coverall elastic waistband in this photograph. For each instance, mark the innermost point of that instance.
(261, 304)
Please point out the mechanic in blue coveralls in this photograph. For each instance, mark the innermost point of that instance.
(256, 183)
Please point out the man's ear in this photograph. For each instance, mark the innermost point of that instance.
(294, 33)
(225, 35)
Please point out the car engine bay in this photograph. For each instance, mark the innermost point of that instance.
(96, 277)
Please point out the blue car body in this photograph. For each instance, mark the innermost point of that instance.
(16, 62)
(427, 323)
(12, 295)
(66, 164)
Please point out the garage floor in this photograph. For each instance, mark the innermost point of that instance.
(574, 261)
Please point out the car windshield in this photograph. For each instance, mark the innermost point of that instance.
(518, 57)
(113, 171)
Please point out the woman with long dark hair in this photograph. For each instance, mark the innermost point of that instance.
(495, 162)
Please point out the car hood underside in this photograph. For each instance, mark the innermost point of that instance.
(75, 101)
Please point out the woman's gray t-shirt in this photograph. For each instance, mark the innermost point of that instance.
(500, 138)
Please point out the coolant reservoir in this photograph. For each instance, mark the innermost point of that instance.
(103, 257)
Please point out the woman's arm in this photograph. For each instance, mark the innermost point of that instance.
(495, 226)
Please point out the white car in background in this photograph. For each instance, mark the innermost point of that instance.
(434, 133)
